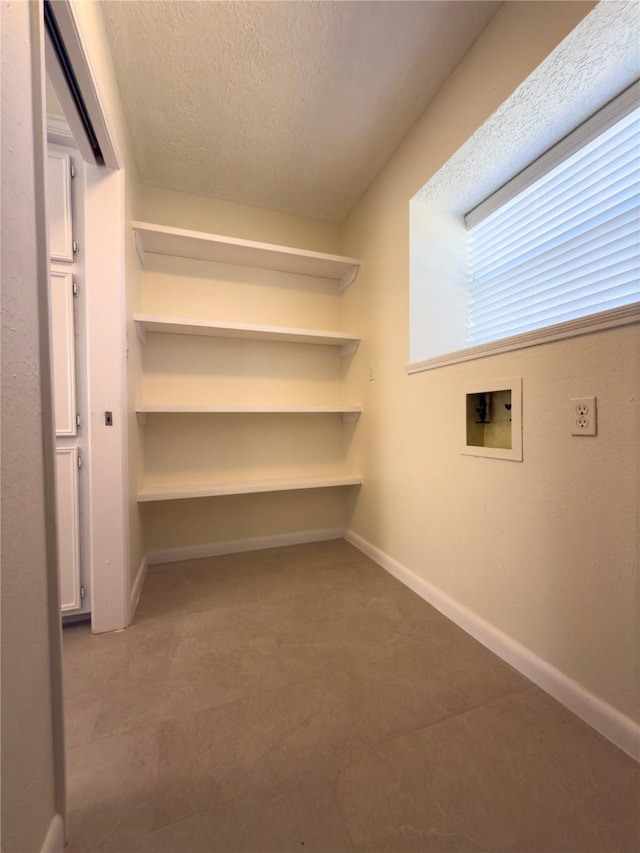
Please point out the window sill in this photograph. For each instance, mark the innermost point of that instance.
(625, 316)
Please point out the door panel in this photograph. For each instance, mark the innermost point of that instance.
(59, 206)
(63, 343)
(64, 219)
(68, 527)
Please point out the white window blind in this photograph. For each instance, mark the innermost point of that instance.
(565, 243)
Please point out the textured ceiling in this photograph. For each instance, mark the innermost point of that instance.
(293, 106)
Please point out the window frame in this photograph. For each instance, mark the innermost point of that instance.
(617, 108)
(612, 319)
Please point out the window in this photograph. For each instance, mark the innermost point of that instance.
(541, 115)
(561, 240)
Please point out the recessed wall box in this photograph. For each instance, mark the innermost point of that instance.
(493, 419)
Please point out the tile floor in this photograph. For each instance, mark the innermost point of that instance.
(301, 699)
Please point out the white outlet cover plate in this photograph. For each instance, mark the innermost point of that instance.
(583, 415)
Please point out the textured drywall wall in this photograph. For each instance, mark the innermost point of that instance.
(202, 370)
(31, 705)
(546, 549)
(290, 106)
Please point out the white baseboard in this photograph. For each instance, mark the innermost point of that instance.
(236, 546)
(136, 589)
(54, 839)
(615, 726)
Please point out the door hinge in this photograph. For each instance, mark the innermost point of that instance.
(82, 592)
(74, 287)
(79, 461)
(75, 247)
(73, 169)
(78, 421)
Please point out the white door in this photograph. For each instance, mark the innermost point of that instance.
(68, 528)
(63, 344)
(64, 339)
(60, 221)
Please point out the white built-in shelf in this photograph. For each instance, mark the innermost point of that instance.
(349, 413)
(178, 326)
(207, 490)
(164, 240)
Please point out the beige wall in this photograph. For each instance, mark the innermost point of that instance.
(32, 736)
(201, 213)
(545, 550)
(217, 371)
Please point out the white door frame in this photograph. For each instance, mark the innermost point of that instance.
(105, 278)
(106, 381)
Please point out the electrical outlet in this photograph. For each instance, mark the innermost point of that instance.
(584, 416)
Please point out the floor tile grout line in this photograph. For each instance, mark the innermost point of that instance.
(463, 713)
(288, 684)
(296, 682)
(257, 694)
(321, 765)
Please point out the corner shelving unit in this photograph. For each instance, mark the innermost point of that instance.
(197, 245)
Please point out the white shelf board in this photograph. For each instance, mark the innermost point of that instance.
(179, 242)
(349, 413)
(218, 329)
(206, 490)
